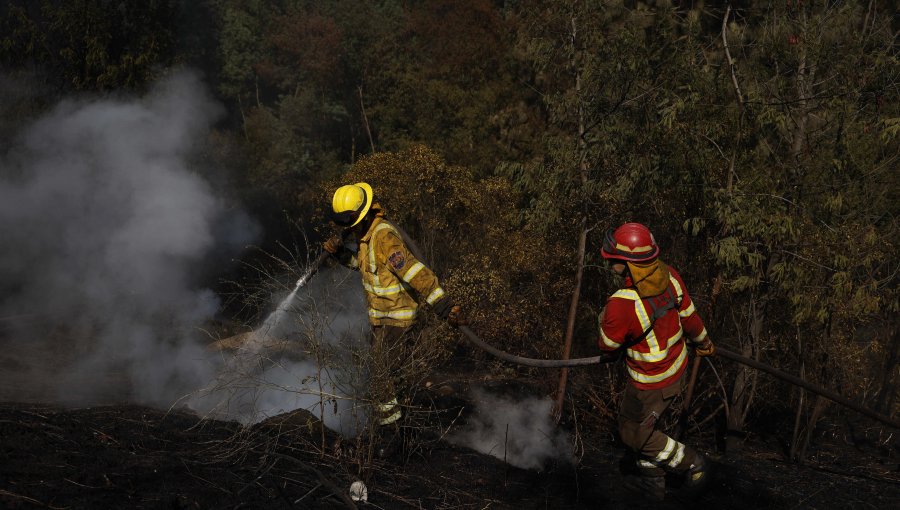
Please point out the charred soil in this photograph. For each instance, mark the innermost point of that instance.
(127, 456)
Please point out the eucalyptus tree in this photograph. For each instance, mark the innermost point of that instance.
(803, 232)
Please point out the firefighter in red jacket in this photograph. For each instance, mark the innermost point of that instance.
(653, 319)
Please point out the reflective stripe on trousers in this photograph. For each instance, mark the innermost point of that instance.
(389, 412)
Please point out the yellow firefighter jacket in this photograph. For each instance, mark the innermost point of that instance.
(392, 276)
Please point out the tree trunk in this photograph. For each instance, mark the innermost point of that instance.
(744, 381)
(795, 437)
(570, 322)
(365, 118)
(818, 409)
(583, 230)
(887, 395)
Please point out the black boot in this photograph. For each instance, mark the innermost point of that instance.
(696, 478)
(389, 441)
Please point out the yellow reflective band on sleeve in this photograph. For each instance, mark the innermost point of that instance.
(390, 411)
(646, 464)
(609, 342)
(436, 294)
(413, 271)
(701, 337)
(684, 314)
(383, 291)
(388, 406)
(650, 379)
(392, 418)
(401, 314)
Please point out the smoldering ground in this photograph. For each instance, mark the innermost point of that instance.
(517, 430)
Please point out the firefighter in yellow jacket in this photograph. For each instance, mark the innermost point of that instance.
(393, 277)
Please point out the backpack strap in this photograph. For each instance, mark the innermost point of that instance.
(672, 303)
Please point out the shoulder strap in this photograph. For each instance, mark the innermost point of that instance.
(672, 303)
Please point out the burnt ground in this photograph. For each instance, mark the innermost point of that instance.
(127, 456)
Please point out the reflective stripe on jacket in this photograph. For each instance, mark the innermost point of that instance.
(659, 359)
(393, 277)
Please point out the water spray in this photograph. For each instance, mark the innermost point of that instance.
(275, 317)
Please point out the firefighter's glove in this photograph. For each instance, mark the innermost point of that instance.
(456, 318)
(333, 245)
(707, 348)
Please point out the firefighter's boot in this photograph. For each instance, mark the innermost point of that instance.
(388, 420)
(389, 441)
(696, 478)
(650, 482)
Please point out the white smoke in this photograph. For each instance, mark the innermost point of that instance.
(520, 432)
(303, 360)
(104, 224)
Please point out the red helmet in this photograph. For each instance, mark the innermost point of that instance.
(632, 242)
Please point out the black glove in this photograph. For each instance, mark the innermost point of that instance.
(450, 312)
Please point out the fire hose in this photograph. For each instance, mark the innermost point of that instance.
(595, 360)
(723, 353)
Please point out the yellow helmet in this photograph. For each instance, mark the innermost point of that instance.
(351, 203)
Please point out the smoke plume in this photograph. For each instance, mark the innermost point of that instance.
(105, 226)
(520, 432)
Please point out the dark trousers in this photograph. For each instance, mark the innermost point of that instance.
(389, 352)
(639, 413)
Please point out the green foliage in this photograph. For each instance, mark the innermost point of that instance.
(92, 44)
(241, 37)
(459, 221)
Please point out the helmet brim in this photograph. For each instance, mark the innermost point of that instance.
(609, 250)
(365, 210)
(629, 257)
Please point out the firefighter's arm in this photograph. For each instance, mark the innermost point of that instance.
(412, 271)
(693, 326)
(613, 324)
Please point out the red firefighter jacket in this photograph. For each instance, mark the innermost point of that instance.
(659, 359)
